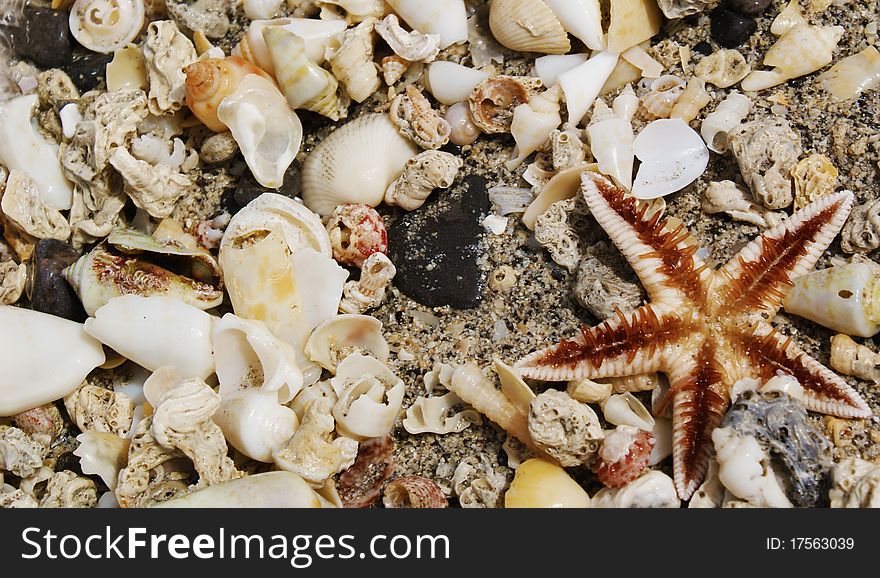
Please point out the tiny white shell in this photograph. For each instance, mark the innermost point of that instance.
(449, 82)
(370, 397)
(673, 156)
(448, 18)
(786, 384)
(103, 454)
(583, 83)
(255, 424)
(106, 25)
(343, 333)
(718, 124)
(626, 409)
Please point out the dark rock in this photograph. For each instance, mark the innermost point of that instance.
(87, 70)
(47, 289)
(43, 37)
(703, 48)
(436, 248)
(730, 29)
(748, 7)
(249, 189)
(68, 461)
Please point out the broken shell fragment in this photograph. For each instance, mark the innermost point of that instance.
(626, 409)
(527, 26)
(582, 84)
(106, 25)
(450, 83)
(266, 490)
(513, 386)
(423, 174)
(533, 123)
(493, 101)
(611, 142)
(853, 75)
(370, 397)
(540, 483)
(632, 22)
(356, 232)
(813, 177)
(851, 358)
(432, 415)
(662, 96)
(413, 116)
(692, 101)
(414, 492)
(102, 454)
(332, 341)
(261, 9)
(723, 68)
(254, 423)
(582, 19)
(448, 18)
(801, 50)
(653, 489)
(127, 71)
(318, 36)
(352, 63)
(410, 46)
(673, 156)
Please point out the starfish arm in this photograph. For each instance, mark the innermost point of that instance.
(700, 399)
(662, 255)
(632, 344)
(755, 279)
(824, 391)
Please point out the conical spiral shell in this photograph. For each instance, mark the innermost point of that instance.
(209, 81)
(527, 26)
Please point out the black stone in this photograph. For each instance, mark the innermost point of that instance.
(87, 70)
(47, 289)
(730, 29)
(249, 189)
(436, 248)
(703, 48)
(43, 37)
(748, 7)
(68, 461)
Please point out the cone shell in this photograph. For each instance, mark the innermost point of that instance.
(209, 81)
(527, 26)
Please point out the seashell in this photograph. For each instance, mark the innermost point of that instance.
(582, 19)
(167, 51)
(844, 298)
(512, 386)
(422, 174)
(861, 233)
(853, 75)
(28, 380)
(533, 122)
(102, 454)
(355, 164)
(370, 397)
(414, 492)
(726, 197)
(360, 485)
(802, 50)
(356, 232)
(304, 83)
(813, 177)
(493, 101)
(673, 156)
(261, 9)
(411, 46)
(723, 68)
(266, 490)
(352, 11)
(268, 133)
(611, 142)
(450, 83)
(638, 57)
(766, 150)
(368, 292)
(248, 357)
(549, 68)
(662, 441)
(393, 68)
(588, 391)
(210, 81)
(254, 423)
(564, 429)
(333, 340)
(632, 22)
(352, 63)
(69, 116)
(788, 18)
(155, 332)
(448, 18)
(626, 103)
(432, 415)
(204, 48)
(664, 93)
(567, 149)
(564, 185)
(718, 124)
(626, 409)
(653, 489)
(24, 209)
(463, 130)
(153, 188)
(745, 469)
(106, 25)
(854, 484)
(23, 149)
(851, 358)
(318, 36)
(540, 483)
(692, 101)
(623, 456)
(527, 26)
(127, 70)
(413, 116)
(785, 384)
(582, 84)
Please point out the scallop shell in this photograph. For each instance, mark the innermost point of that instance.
(341, 335)
(527, 26)
(355, 164)
(209, 81)
(106, 25)
(673, 156)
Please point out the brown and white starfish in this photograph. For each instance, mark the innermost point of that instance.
(705, 329)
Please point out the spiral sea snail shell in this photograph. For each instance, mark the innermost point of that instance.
(106, 25)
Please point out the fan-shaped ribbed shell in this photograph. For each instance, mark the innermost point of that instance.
(528, 26)
(355, 164)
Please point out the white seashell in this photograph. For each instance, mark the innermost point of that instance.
(527, 26)
(318, 36)
(352, 63)
(540, 483)
(723, 68)
(611, 142)
(745, 469)
(626, 103)
(673, 156)
(461, 121)
(351, 11)
(663, 95)
(127, 70)
(583, 83)
(662, 433)
(355, 164)
(69, 115)
(28, 381)
(582, 19)
(692, 101)
(411, 46)
(247, 356)
(788, 18)
(315, 391)
(638, 57)
(106, 25)
(155, 332)
(102, 454)
(548, 68)
(449, 82)
(513, 386)
(24, 210)
(268, 133)
(786, 384)
(254, 423)
(718, 124)
(851, 358)
(653, 489)
(711, 493)
(370, 397)
(22, 148)
(626, 409)
(267, 490)
(431, 415)
(854, 484)
(853, 75)
(726, 197)
(448, 18)
(342, 335)
(589, 391)
(533, 122)
(801, 50)
(261, 9)
(844, 298)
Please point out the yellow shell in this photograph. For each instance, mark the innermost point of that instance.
(632, 22)
(527, 26)
(540, 483)
(209, 81)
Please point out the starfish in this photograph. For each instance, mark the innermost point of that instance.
(705, 329)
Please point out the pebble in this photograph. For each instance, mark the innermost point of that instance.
(748, 7)
(87, 70)
(43, 37)
(436, 248)
(730, 29)
(47, 289)
(249, 189)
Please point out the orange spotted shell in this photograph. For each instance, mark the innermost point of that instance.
(211, 80)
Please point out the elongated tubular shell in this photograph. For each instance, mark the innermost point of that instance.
(540, 483)
(43, 357)
(844, 298)
(355, 164)
(717, 124)
(211, 80)
(267, 490)
(318, 35)
(527, 26)
(582, 18)
(692, 101)
(448, 18)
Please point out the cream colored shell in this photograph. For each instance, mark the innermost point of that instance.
(527, 26)
(342, 335)
(106, 25)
